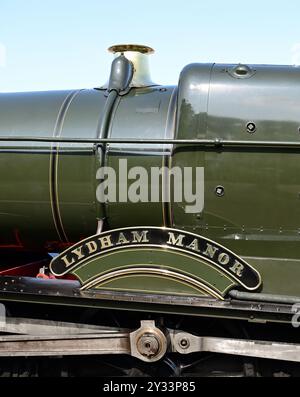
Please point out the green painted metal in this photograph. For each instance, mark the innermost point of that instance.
(48, 189)
(214, 279)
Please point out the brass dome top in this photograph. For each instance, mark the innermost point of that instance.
(143, 49)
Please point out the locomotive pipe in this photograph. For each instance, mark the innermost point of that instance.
(271, 298)
(102, 133)
(107, 111)
(120, 78)
(205, 142)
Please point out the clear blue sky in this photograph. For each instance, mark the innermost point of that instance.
(53, 44)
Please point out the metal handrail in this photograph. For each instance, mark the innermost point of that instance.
(216, 143)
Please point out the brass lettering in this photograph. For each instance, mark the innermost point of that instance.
(92, 246)
(122, 239)
(140, 237)
(223, 259)
(67, 262)
(176, 240)
(106, 241)
(78, 252)
(237, 268)
(210, 251)
(194, 245)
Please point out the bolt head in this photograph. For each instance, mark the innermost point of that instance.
(220, 191)
(148, 345)
(184, 343)
(251, 127)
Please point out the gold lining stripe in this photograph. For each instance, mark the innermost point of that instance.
(166, 266)
(152, 291)
(169, 133)
(53, 165)
(141, 270)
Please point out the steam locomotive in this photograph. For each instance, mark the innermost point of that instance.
(159, 224)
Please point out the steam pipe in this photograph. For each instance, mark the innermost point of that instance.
(119, 81)
(249, 296)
